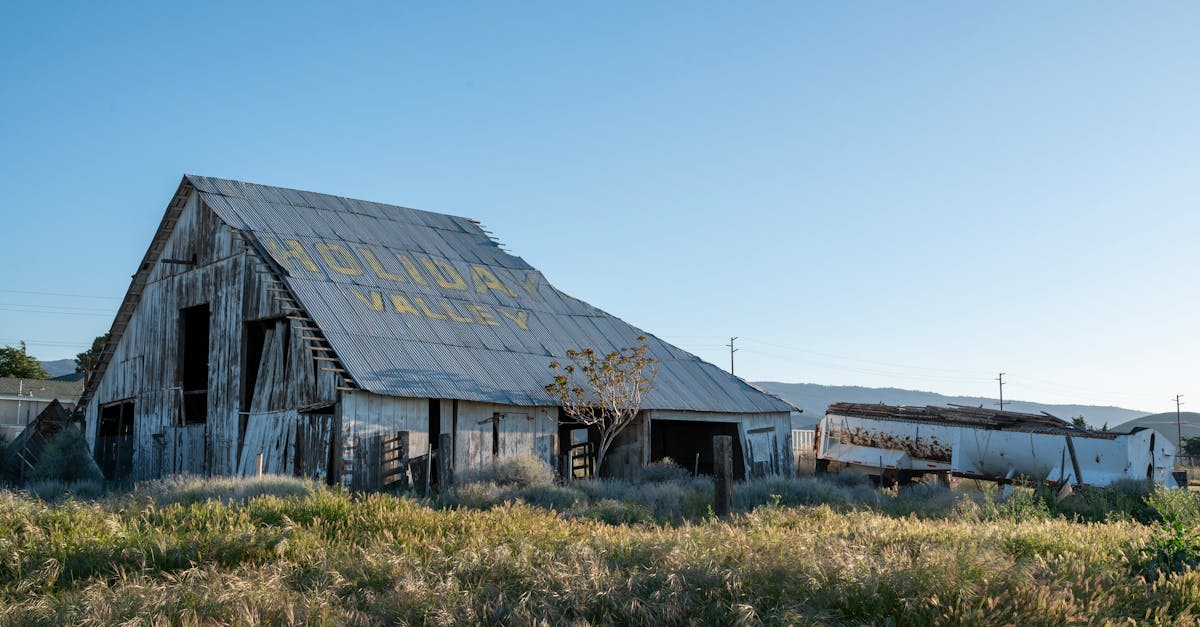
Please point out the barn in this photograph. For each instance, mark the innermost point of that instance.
(269, 328)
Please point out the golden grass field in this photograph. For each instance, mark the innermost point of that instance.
(282, 551)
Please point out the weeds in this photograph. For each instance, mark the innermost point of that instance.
(331, 557)
(210, 552)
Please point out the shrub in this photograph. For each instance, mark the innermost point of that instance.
(665, 501)
(551, 496)
(1175, 548)
(617, 513)
(802, 491)
(1122, 500)
(662, 470)
(55, 490)
(1026, 503)
(929, 500)
(476, 495)
(520, 471)
(1175, 505)
(187, 489)
(66, 457)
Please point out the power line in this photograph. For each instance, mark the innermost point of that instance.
(56, 307)
(860, 370)
(60, 313)
(45, 342)
(865, 361)
(61, 294)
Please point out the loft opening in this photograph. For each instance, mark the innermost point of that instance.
(193, 363)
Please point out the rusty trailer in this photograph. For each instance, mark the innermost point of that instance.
(899, 444)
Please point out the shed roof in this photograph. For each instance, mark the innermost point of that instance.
(42, 388)
(426, 305)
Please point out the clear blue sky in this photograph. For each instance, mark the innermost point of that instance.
(908, 194)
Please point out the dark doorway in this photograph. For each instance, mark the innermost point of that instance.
(193, 363)
(114, 440)
(577, 442)
(683, 440)
(435, 432)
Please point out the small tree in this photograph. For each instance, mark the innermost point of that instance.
(604, 391)
(87, 361)
(1081, 422)
(1191, 446)
(16, 362)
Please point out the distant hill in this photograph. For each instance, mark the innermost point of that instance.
(59, 367)
(815, 398)
(1165, 424)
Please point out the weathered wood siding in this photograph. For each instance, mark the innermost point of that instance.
(145, 365)
(521, 431)
(364, 414)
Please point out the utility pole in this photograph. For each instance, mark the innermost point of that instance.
(1001, 380)
(732, 350)
(1178, 421)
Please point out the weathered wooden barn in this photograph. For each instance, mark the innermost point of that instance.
(282, 323)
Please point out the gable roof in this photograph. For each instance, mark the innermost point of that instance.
(425, 305)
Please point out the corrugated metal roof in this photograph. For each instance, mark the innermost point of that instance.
(425, 305)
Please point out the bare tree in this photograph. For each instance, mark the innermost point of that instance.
(604, 391)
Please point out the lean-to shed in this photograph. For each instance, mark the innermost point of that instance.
(285, 323)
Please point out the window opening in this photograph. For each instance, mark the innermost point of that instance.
(193, 363)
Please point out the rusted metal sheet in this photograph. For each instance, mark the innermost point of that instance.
(925, 448)
(985, 444)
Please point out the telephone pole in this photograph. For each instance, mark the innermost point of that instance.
(1001, 380)
(732, 350)
(1178, 421)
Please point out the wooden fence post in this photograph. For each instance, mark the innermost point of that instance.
(258, 473)
(722, 475)
(565, 468)
(445, 461)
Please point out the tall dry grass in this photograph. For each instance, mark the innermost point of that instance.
(318, 556)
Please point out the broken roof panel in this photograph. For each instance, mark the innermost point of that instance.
(425, 305)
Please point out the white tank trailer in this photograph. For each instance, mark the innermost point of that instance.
(899, 444)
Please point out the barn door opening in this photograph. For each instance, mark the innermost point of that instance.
(689, 443)
(435, 431)
(114, 440)
(193, 363)
(577, 444)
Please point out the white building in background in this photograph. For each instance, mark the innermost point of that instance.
(21, 400)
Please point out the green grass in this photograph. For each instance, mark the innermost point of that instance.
(287, 551)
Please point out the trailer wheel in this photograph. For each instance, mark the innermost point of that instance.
(821, 467)
(904, 478)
